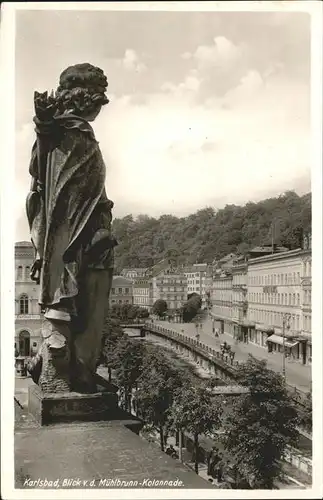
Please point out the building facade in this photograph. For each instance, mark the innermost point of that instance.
(239, 300)
(28, 318)
(143, 293)
(171, 286)
(121, 291)
(279, 288)
(266, 300)
(222, 302)
(199, 280)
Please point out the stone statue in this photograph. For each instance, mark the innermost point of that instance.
(69, 217)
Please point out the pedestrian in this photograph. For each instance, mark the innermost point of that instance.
(220, 468)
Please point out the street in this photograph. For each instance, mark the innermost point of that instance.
(297, 375)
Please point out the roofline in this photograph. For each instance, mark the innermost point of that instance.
(280, 255)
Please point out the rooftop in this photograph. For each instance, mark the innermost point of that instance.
(27, 244)
(134, 269)
(268, 248)
(121, 281)
(279, 255)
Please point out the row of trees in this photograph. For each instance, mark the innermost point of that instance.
(257, 429)
(188, 312)
(128, 312)
(209, 232)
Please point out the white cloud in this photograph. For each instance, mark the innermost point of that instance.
(186, 55)
(190, 85)
(173, 154)
(131, 61)
(222, 52)
(249, 87)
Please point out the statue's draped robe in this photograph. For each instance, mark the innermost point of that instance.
(71, 224)
(70, 219)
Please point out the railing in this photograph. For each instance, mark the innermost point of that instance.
(295, 458)
(203, 350)
(216, 357)
(28, 316)
(132, 324)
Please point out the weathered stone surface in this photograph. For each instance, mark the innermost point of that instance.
(48, 408)
(94, 452)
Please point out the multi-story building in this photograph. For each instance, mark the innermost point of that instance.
(133, 273)
(121, 291)
(171, 286)
(143, 292)
(279, 286)
(222, 301)
(28, 318)
(199, 281)
(239, 300)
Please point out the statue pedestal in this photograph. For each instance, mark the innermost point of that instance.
(51, 408)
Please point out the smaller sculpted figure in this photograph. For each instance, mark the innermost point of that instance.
(70, 217)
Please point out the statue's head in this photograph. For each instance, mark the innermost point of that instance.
(81, 91)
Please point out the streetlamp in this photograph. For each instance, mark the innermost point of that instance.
(286, 325)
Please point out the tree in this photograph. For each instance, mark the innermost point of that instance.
(191, 307)
(128, 312)
(209, 232)
(112, 332)
(160, 307)
(306, 413)
(261, 424)
(195, 411)
(156, 387)
(127, 361)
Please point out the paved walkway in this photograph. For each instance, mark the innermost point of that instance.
(297, 375)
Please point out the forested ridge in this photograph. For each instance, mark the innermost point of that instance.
(209, 233)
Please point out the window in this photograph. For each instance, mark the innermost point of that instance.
(289, 299)
(19, 273)
(294, 299)
(120, 290)
(127, 290)
(112, 290)
(23, 304)
(27, 273)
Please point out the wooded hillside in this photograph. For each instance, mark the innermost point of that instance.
(210, 233)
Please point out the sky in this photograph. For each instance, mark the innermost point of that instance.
(206, 108)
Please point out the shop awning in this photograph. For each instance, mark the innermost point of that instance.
(276, 339)
(264, 328)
